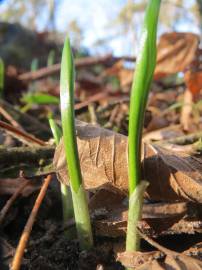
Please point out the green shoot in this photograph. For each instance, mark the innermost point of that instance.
(34, 64)
(57, 132)
(81, 212)
(1, 77)
(40, 99)
(143, 75)
(51, 58)
(67, 207)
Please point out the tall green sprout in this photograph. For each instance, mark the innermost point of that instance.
(143, 75)
(65, 191)
(81, 212)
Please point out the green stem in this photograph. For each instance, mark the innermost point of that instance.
(143, 75)
(67, 207)
(56, 131)
(66, 196)
(134, 214)
(82, 217)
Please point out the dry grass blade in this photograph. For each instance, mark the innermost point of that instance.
(21, 135)
(11, 200)
(16, 263)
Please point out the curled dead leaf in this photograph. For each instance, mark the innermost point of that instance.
(110, 207)
(135, 259)
(102, 154)
(176, 51)
(158, 261)
(172, 175)
(163, 259)
(104, 162)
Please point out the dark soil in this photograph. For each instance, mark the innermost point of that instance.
(49, 248)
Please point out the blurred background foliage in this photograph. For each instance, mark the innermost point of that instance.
(95, 27)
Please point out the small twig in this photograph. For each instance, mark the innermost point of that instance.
(114, 113)
(24, 118)
(92, 113)
(16, 263)
(94, 98)
(183, 140)
(11, 200)
(8, 117)
(186, 111)
(171, 253)
(29, 139)
(15, 155)
(79, 63)
(156, 245)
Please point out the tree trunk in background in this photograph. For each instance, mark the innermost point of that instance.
(199, 3)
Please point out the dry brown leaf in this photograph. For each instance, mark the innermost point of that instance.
(135, 259)
(157, 122)
(156, 261)
(110, 207)
(164, 259)
(124, 75)
(193, 81)
(103, 157)
(172, 175)
(104, 162)
(194, 251)
(116, 227)
(163, 134)
(193, 75)
(176, 51)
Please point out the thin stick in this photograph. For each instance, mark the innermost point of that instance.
(79, 63)
(157, 245)
(8, 117)
(47, 71)
(16, 263)
(185, 139)
(21, 134)
(11, 200)
(94, 98)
